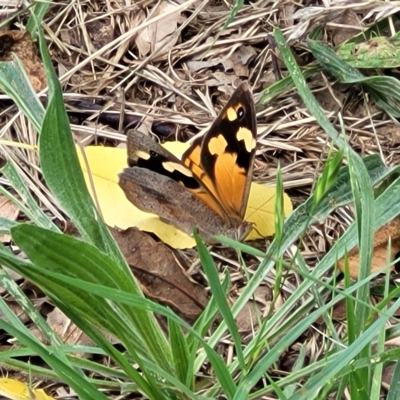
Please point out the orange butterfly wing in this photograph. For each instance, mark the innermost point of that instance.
(223, 158)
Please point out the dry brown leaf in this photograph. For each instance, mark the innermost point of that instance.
(389, 231)
(338, 312)
(248, 317)
(68, 332)
(20, 43)
(101, 32)
(197, 65)
(263, 295)
(254, 309)
(10, 211)
(345, 27)
(237, 62)
(157, 35)
(16, 309)
(159, 272)
(220, 78)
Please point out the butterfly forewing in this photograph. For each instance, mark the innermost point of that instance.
(223, 158)
(143, 152)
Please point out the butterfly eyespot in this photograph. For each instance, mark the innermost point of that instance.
(240, 112)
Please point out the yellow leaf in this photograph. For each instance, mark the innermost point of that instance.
(16, 390)
(105, 163)
(260, 210)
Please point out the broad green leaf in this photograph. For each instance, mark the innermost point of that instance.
(377, 52)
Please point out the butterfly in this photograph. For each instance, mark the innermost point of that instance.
(209, 186)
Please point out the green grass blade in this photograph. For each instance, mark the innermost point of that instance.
(219, 295)
(303, 90)
(39, 10)
(236, 7)
(77, 381)
(30, 208)
(53, 251)
(343, 358)
(180, 354)
(6, 224)
(273, 353)
(329, 175)
(334, 64)
(19, 296)
(394, 391)
(59, 281)
(377, 372)
(15, 82)
(91, 315)
(284, 84)
(364, 205)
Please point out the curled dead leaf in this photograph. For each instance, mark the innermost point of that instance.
(388, 233)
(158, 36)
(68, 332)
(10, 211)
(20, 43)
(161, 276)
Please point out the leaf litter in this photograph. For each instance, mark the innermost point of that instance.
(143, 70)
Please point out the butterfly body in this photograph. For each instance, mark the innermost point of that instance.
(209, 187)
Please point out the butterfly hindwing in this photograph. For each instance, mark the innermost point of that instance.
(161, 195)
